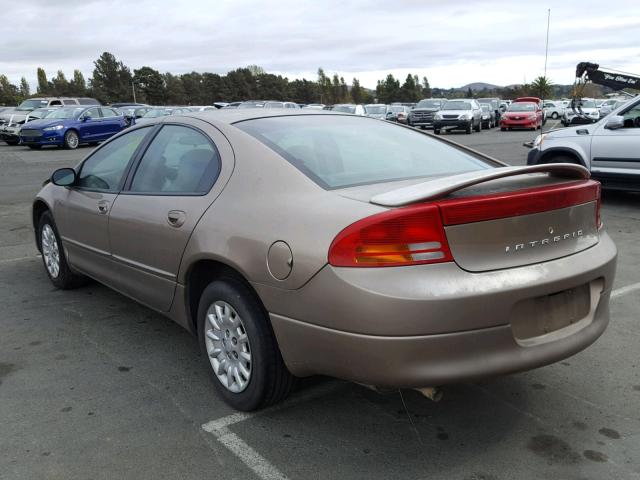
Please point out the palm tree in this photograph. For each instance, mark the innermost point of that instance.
(542, 87)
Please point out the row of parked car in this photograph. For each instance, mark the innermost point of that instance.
(70, 122)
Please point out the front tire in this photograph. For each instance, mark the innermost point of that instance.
(469, 128)
(71, 140)
(12, 143)
(53, 257)
(436, 131)
(240, 348)
(479, 127)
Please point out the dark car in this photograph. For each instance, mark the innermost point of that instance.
(423, 113)
(488, 115)
(71, 126)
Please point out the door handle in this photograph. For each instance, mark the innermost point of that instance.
(103, 206)
(176, 218)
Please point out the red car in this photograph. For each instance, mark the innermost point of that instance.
(522, 114)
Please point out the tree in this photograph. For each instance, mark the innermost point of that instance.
(112, 80)
(43, 84)
(150, 86)
(9, 94)
(77, 86)
(214, 88)
(175, 94)
(469, 93)
(192, 84)
(324, 87)
(408, 90)
(542, 87)
(388, 90)
(25, 90)
(59, 85)
(357, 93)
(426, 88)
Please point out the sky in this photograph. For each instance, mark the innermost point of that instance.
(452, 42)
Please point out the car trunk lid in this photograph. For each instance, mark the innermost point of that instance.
(507, 217)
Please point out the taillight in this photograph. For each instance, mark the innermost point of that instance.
(522, 202)
(405, 236)
(598, 205)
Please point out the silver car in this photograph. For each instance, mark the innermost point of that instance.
(610, 148)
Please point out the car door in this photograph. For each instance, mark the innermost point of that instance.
(112, 122)
(89, 125)
(82, 213)
(617, 151)
(180, 174)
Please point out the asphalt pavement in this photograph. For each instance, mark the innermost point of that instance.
(95, 386)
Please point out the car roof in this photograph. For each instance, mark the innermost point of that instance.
(231, 116)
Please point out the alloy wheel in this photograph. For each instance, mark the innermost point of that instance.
(50, 251)
(228, 346)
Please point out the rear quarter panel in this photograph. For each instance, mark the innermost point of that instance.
(268, 200)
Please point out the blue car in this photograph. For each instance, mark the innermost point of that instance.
(71, 126)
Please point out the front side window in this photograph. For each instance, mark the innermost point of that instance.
(107, 112)
(632, 117)
(105, 168)
(92, 113)
(179, 160)
(338, 151)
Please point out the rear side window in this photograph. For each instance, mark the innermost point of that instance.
(340, 151)
(179, 160)
(70, 101)
(107, 112)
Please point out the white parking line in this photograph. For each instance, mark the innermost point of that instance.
(618, 292)
(19, 259)
(264, 469)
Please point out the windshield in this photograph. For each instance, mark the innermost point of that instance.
(588, 104)
(32, 104)
(429, 104)
(251, 105)
(395, 109)
(157, 112)
(345, 108)
(66, 113)
(485, 107)
(457, 105)
(41, 112)
(521, 107)
(341, 151)
(376, 109)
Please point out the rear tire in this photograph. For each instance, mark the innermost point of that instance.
(53, 257)
(503, 129)
(436, 131)
(71, 140)
(555, 115)
(244, 326)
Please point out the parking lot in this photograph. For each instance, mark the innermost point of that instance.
(95, 386)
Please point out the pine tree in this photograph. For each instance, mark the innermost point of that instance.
(426, 88)
(25, 90)
(356, 91)
(78, 86)
(43, 84)
(149, 86)
(112, 80)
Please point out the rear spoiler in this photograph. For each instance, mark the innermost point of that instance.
(441, 187)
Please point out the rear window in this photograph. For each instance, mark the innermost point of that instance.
(340, 151)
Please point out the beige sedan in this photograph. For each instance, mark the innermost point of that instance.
(295, 243)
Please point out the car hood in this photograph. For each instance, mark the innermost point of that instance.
(429, 110)
(15, 115)
(46, 122)
(517, 114)
(572, 131)
(455, 112)
(584, 110)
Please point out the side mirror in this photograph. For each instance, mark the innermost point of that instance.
(86, 117)
(615, 122)
(64, 177)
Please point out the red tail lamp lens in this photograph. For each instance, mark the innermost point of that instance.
(405, 236)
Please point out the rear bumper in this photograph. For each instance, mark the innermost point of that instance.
(447, 327)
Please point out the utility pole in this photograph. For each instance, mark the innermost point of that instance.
(546, 48)
(133, 87)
